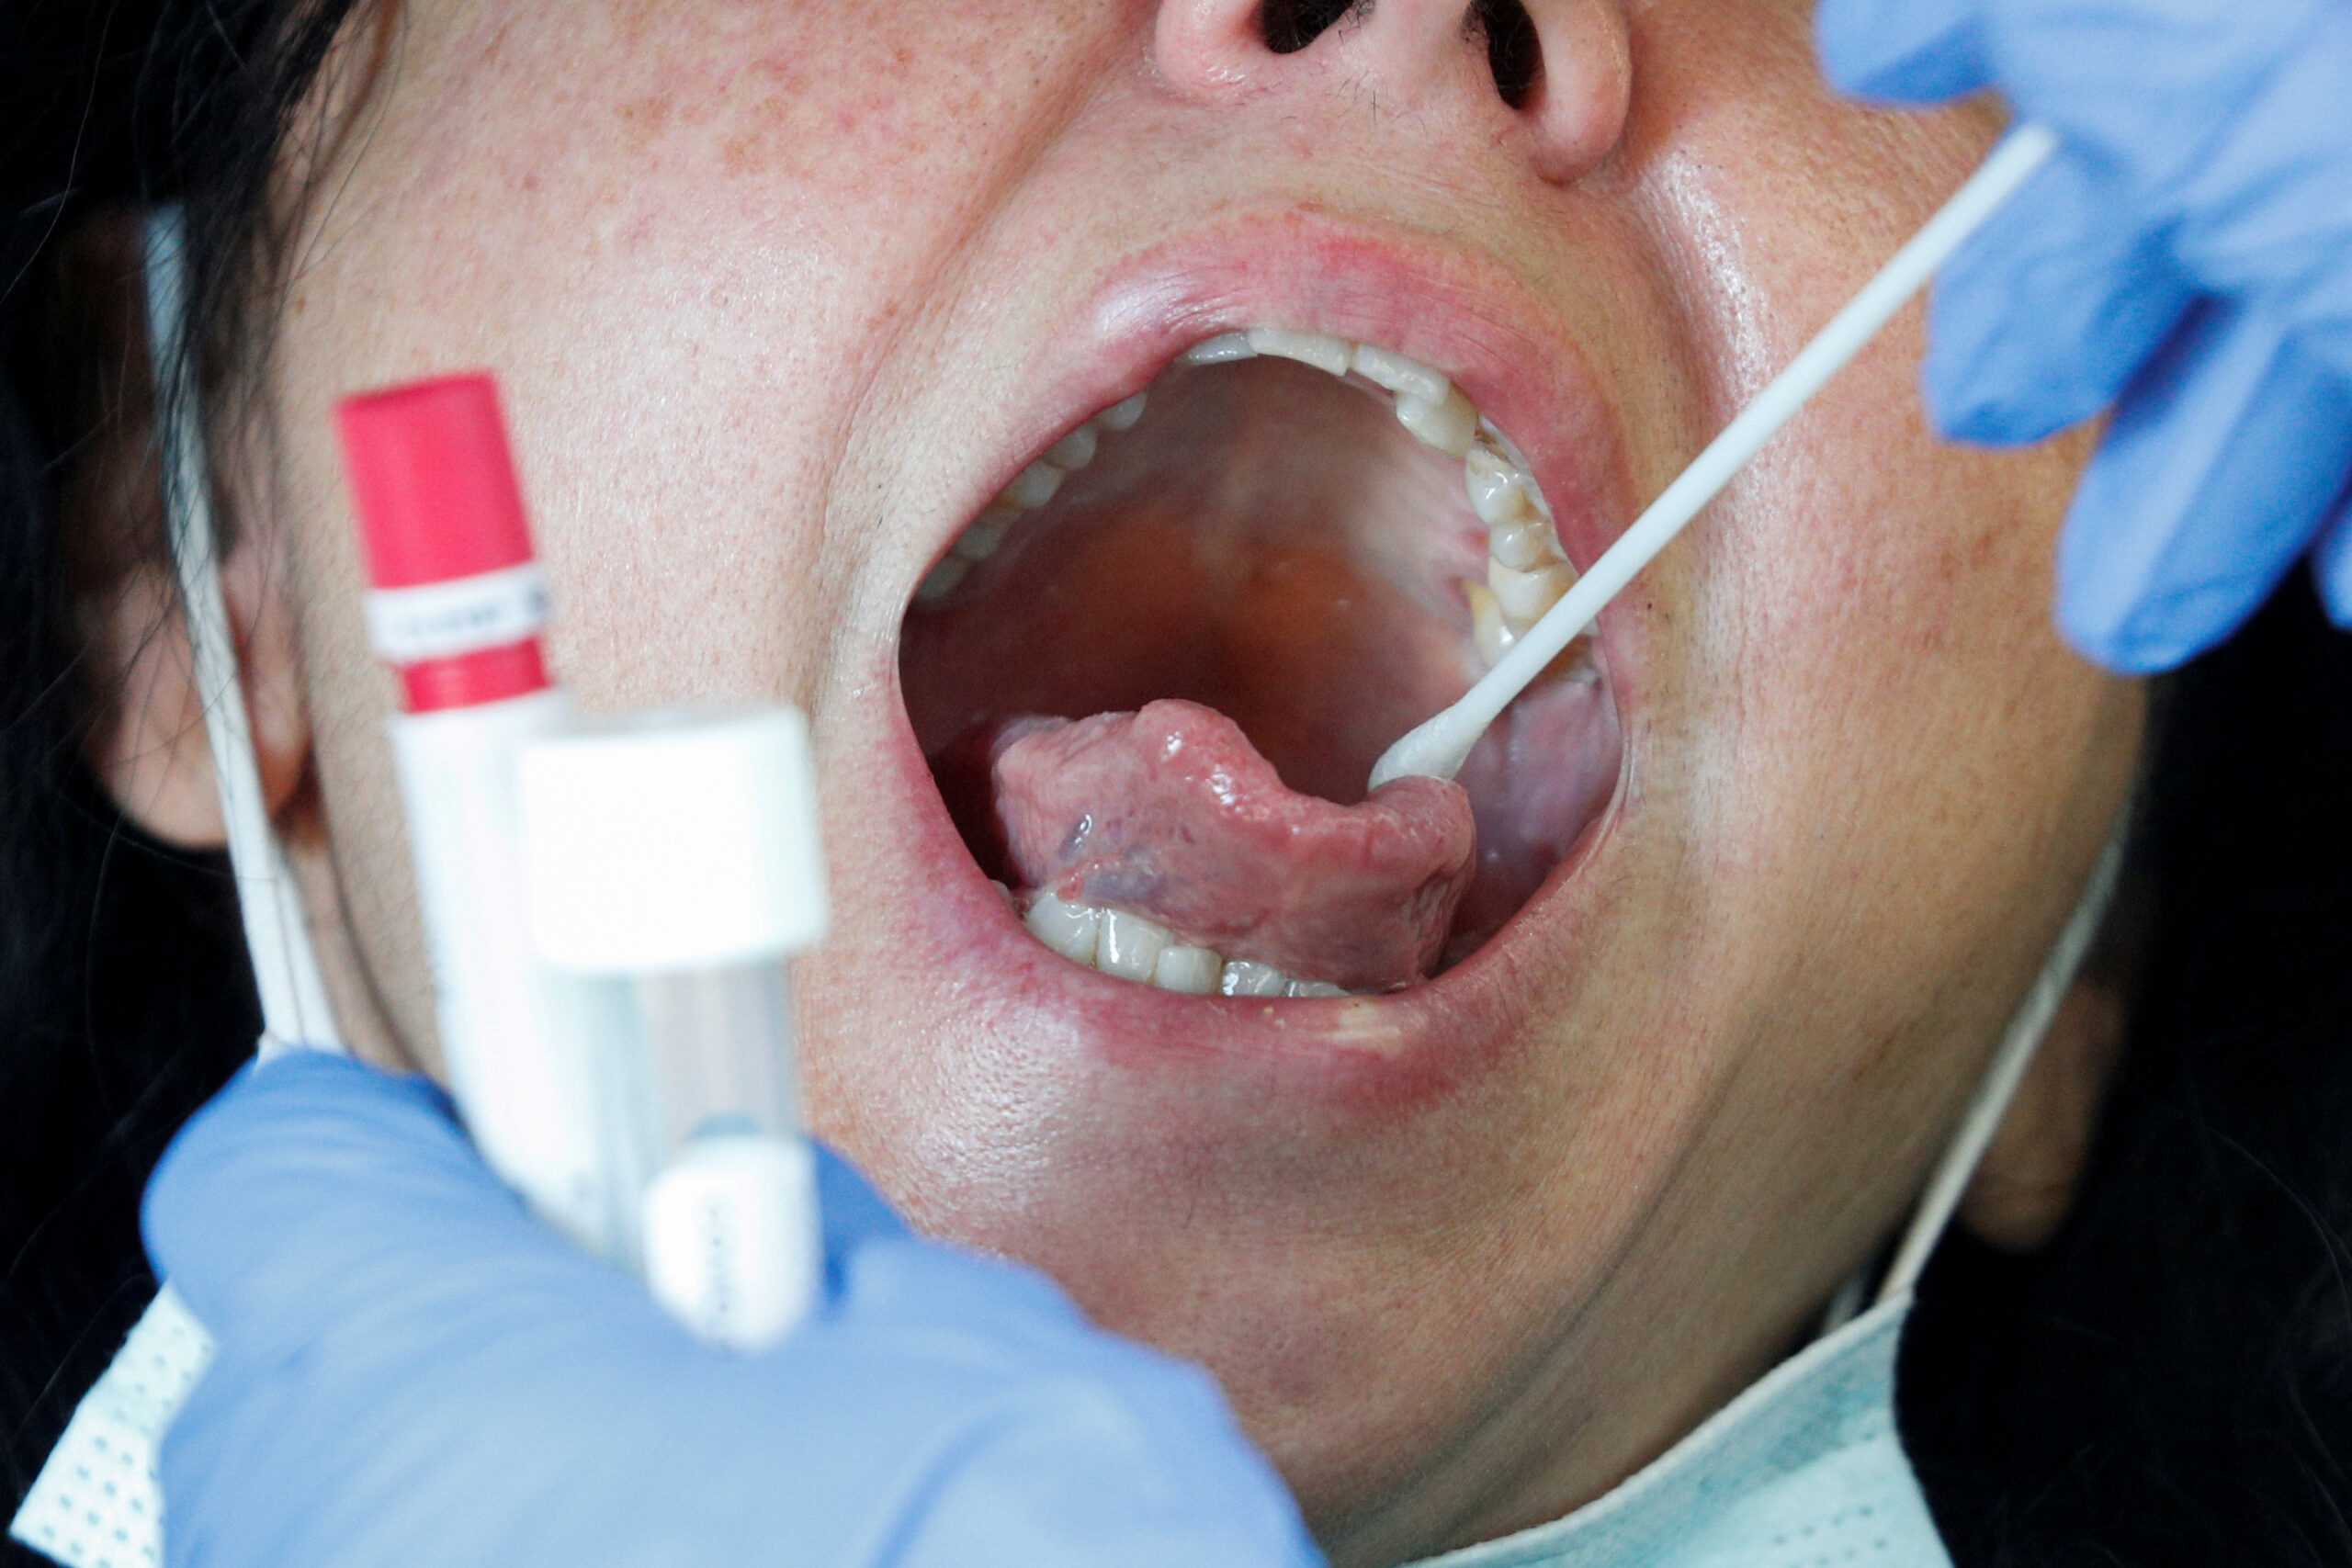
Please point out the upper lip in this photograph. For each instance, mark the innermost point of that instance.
(1495, 337)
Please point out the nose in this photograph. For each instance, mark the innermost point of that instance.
(1548, 79)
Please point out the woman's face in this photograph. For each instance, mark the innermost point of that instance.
(781, 295)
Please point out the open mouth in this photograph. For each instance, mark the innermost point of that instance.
(1151, 677)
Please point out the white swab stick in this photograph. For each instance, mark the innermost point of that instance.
(1438, 746)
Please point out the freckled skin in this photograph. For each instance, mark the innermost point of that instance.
(777, 291)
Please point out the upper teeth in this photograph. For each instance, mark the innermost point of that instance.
(1221, 350)
(1394, 373)
(1526, 570)
(1120, 416)
(1031, 488)
(1523, 596)
(1449, 423)
(1332, 354)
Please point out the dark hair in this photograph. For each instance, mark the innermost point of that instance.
(125, 998)
(2169, 1380)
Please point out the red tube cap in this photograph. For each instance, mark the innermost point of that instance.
(433, 482)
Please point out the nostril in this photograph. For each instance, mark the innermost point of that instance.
(1289, 25)
(1514, 53)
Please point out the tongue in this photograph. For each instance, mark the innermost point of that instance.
(1171, 813)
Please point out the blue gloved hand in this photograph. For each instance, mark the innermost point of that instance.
(2188, 259)
(412, 1371)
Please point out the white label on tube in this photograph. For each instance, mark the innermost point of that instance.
(445, 620)
(732, 1245)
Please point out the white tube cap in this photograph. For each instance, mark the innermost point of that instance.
(673, 840)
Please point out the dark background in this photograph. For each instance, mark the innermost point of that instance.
(2169, 1381)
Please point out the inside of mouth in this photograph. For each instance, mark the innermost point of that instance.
(1240, 588)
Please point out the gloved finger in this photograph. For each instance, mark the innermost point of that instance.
(2331, 564)
(2143, 87)
(199, 1218)
(397, 1440)
(1150, 1474)
(951, 1443)
(316, 1191)
(2040, 322)
(920, 1284)
(2263, 212)
(854, 1211)
(2223, 460)
(1903, 51)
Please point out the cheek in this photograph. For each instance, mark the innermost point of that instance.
(1871, 719)
(1905, 758)
(688, 238)
(1882, 603)
(382, 983)
(775, 157)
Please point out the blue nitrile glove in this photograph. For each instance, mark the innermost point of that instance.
(412, 1371)
(2187, 258)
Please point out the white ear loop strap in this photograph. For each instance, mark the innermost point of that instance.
(97, 1502)
(294, 1007)
(2026, 1032)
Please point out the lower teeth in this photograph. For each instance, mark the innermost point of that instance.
(1135, 948)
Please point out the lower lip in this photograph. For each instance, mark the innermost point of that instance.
(1375, 1056)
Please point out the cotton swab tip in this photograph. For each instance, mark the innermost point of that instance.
(1433, 749)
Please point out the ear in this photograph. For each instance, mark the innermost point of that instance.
(150, 747)
(2026, 1183)
(147, 741)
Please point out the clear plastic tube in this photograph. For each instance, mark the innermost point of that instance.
(723, 1041)
(732, 1243)
(673, 870)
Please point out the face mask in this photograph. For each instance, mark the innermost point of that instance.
(1806, 1468)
